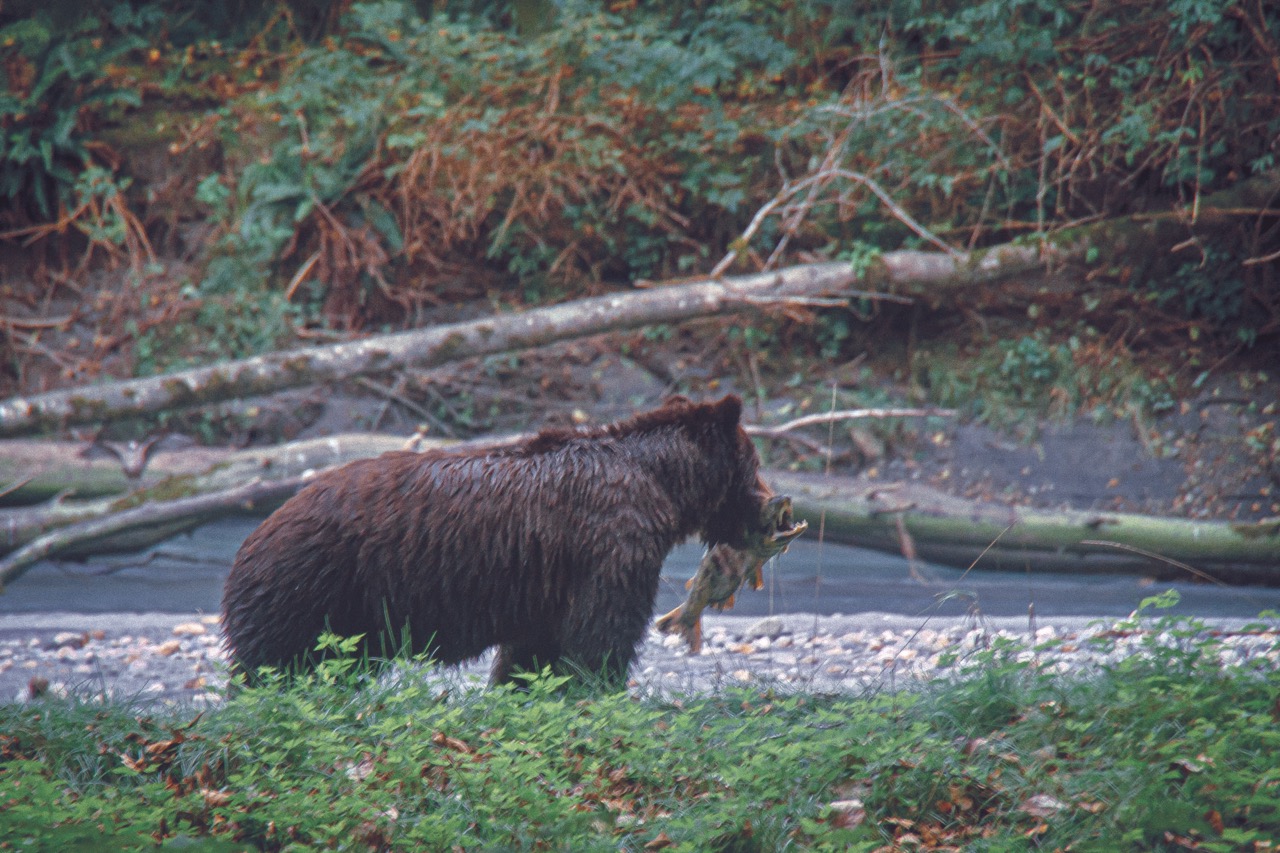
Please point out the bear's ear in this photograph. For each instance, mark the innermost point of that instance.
(728, 410)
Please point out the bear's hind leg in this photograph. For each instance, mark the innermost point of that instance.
(601, 636)
(512, 658)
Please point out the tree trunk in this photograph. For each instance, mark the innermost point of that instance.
(959, 532)
(869, 514)
(33, 471)
(167, 479)
(931, 276)
(440, 345)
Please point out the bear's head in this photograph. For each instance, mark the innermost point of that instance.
(739, 494)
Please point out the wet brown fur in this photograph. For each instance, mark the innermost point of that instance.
(549, 549)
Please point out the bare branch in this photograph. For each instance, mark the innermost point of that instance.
(845, 415)
(184, 512)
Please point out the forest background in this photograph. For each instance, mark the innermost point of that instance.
(185, 183)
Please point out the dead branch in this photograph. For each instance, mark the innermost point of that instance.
(845, 415)
(171, 516)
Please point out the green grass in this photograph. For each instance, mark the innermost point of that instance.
(1166, 750)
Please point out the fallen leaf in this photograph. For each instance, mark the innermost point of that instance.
(1042, 806)
(660, 842)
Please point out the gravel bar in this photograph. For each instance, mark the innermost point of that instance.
(178, 659)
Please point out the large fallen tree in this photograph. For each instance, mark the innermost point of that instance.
(921, 521)
(933, 277)
(436, 346)
(895, 517)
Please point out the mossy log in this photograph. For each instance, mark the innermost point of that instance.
(935, 277)
(56, 469)
(961, 532)
(34, 471)
(873, 514)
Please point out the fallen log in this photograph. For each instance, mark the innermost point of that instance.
(209, 471)
(866, 513)
(55, 471)
(44, 470)
(149, 520)
(436, 346)
(424, 348)
(961, 532)
(181, 500)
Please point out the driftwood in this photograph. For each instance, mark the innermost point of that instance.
(156, 521)
(183, 498)
(896, 517)
(439, 345)
(924, 522)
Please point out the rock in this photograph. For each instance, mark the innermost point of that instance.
(72, 639)
(169, 647)
(843, 814)
(771, 627)
(188, 629)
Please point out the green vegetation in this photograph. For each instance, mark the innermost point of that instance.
(1168, 749)
(374, 163)
(1010, 382)
(268, 173)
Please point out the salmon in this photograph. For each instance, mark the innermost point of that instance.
(724, 570)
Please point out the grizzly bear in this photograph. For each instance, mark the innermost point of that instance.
(549, 548)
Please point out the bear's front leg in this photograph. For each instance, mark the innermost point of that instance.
(607, 620)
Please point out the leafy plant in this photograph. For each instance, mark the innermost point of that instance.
(1015, 382)
(1167, 741)
(57, 78)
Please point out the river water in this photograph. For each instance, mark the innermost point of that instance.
(185, 575)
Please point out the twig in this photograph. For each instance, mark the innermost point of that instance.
(1265, 259)
(1154, 556)
(300, 276)
(35, 322)
(843, 415)
(397, 396)
(13, 487)
(821, 177)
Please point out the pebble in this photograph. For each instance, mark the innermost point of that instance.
(770, 627)
(186, 663)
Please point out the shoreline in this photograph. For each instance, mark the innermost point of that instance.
(177, 659)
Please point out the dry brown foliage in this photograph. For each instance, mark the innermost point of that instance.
(499, 177)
